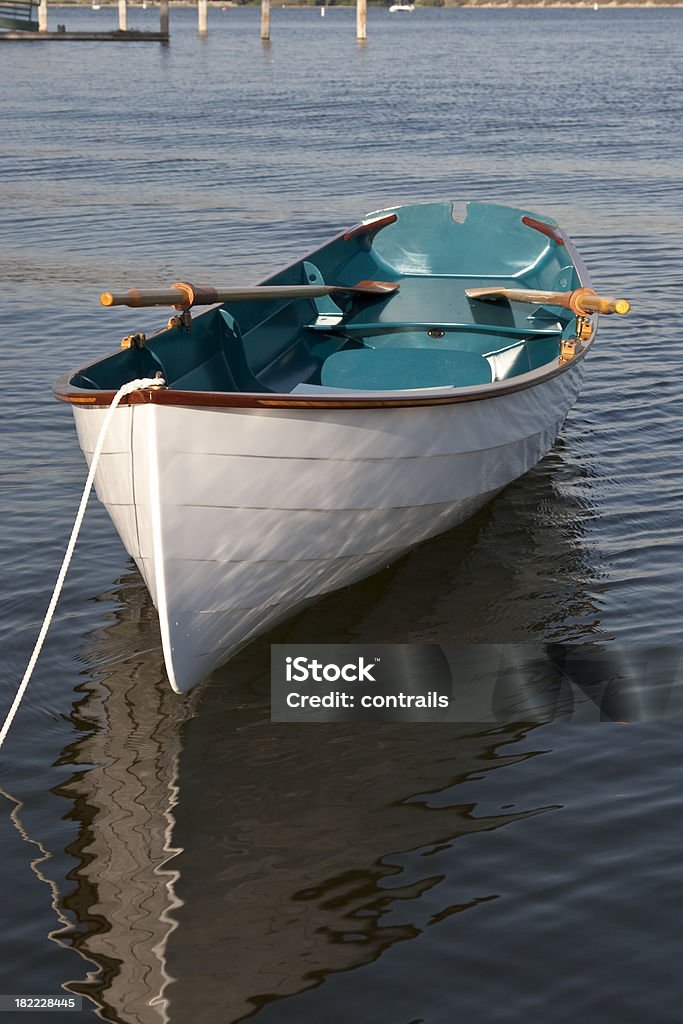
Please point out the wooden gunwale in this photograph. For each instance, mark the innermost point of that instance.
(546, 229)
(369, 227)
(67, 392)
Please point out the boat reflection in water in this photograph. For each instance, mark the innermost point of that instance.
(123, 796)
(223, 863)
(243, 868)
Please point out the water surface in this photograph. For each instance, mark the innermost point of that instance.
(174, 860)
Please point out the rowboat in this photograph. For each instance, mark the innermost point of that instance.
(305, 432)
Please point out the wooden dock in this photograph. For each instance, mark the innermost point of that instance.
(17, 17)
(130, 36)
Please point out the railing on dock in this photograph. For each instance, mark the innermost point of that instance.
(18, 14)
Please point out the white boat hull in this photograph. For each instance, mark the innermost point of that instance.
(237, 518)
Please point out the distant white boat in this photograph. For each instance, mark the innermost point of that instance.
(95, 6)
(395, 8)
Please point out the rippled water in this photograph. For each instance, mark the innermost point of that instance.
(189, 861)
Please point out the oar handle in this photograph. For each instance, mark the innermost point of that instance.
(604, 304)
(582, 301)
(183, 295)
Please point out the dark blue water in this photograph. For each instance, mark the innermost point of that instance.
(175, 861)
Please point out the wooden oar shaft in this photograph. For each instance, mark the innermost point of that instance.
(581, 301)
(183, 295)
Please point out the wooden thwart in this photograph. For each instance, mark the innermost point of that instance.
(183, 295)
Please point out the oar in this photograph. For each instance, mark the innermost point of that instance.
(183, 295)
(582, 301)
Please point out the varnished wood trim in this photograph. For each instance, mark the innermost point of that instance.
(369, 226)
(545, 229)
(67, 392)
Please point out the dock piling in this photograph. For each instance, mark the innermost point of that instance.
(42, 16)
(361, 19)
(203, 16)
(163, 17)
(123, 15)
(265, 19)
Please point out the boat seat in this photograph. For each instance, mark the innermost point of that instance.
(399, 369)
(236, 357)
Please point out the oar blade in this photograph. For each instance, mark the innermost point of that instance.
(372, 287)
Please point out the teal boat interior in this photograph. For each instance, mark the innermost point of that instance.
(425, 334)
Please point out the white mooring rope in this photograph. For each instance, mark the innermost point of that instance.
(127, 389)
